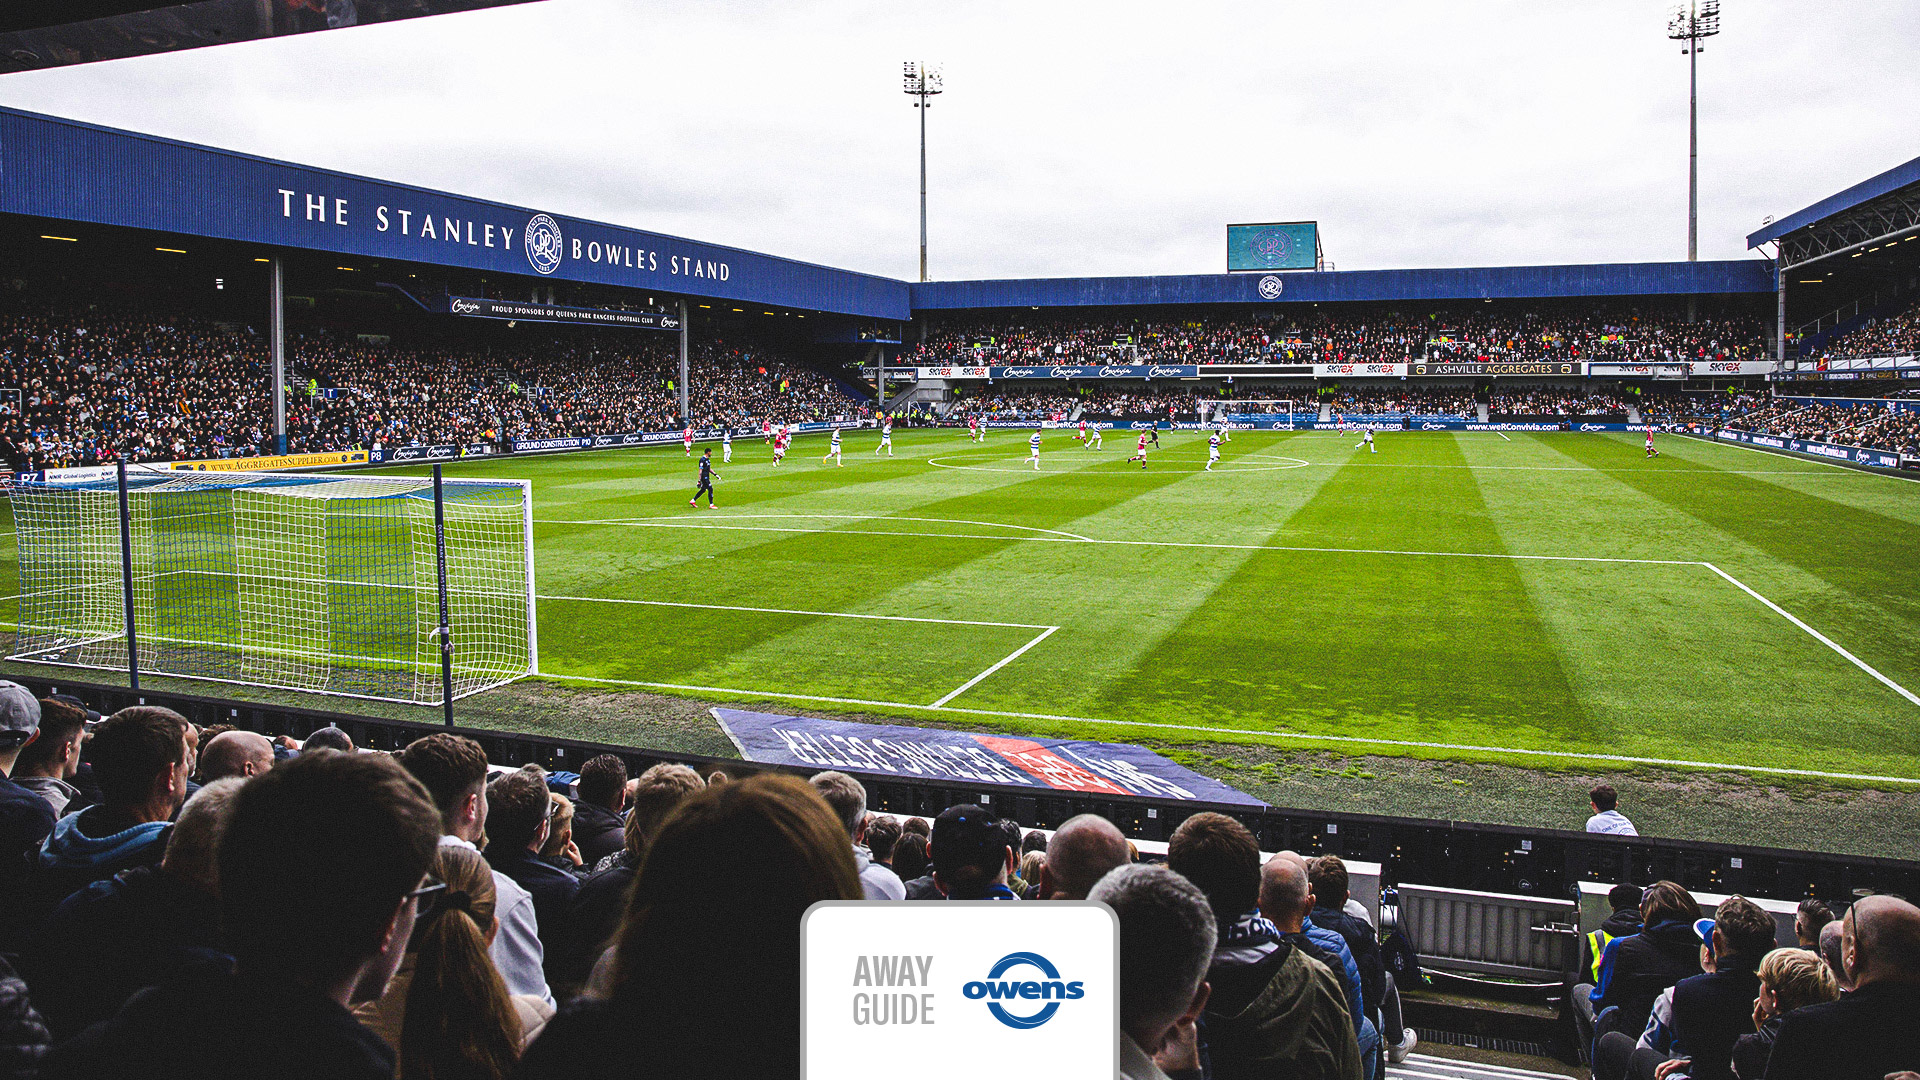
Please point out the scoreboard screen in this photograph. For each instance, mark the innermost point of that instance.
(1280, 245)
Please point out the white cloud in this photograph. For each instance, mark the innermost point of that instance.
(1075, 138)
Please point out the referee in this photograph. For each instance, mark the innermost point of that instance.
(706, 479)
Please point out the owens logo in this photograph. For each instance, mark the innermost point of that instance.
(1053, 991)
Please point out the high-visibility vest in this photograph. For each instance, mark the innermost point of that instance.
(1598, 939)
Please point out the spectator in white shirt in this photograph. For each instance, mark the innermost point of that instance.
(848, 797)
(1605, 818)
(453, 769)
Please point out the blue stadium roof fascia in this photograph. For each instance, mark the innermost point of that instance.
(1467, 283)
(1892, 180)
(67, 170)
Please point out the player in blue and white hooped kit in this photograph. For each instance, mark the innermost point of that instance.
(1033, 449)
(726, 445)
(1225, 429)
(833, 450)
(1093, 438)
(886, 436)
(1213, 450)
(1366, 440)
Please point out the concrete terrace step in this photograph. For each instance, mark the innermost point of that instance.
(1426, 1067)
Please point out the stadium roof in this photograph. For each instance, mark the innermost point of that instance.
(1869, 211)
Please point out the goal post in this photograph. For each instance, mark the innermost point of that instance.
(326, 584)
(1287, 411)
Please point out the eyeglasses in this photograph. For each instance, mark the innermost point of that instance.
(426, 890)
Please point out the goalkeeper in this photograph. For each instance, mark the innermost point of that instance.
(707, 476)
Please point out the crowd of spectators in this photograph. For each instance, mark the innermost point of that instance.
(1895, 335)
(1405, 402)
(1557, 402)
(82, 388)
(1540, 331)
(1874, 425)
(207, 902)
(996, 404)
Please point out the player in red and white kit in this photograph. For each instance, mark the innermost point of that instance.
(1140, 451)
(766, 431)
(780, 440)
(1082, 436)
(973, 428)
(686, 438)
(1651, 452)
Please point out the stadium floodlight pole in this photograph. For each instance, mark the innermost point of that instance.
(1692, 22)
(126, 576)
(686, 418)
(277, 347)
(922, 81)
(446, 628)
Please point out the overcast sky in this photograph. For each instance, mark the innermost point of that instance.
(1110, 137)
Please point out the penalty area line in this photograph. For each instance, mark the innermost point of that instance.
(1008, 659)
(1574, 755)
(791, 611)
(1817, 635)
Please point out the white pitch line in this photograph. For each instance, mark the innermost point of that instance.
(1008, 659)
(1250, 733)
(790, 611)
(1817, 635)
(1133, 543)
(1791, 457)
(842, 517)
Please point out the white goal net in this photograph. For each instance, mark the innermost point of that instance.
(1277, 411)
(328, 584)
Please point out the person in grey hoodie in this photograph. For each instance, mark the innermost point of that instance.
(848, 798)
(141, 758)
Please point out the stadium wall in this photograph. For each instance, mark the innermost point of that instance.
(69, 171)
(1732, 276)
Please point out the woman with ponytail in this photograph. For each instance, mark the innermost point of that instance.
(447, 1012)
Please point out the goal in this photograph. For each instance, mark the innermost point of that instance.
(1280, 411)
(322, 583)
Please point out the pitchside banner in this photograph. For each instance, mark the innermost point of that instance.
(1009, 761)
(1860, 455)
(1091, 371)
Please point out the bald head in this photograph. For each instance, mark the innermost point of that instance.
(1883, 941)
(1285, 895)
(235, 753)
(1079, 854)
(1833, 950)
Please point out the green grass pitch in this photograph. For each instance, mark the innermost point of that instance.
(1454, 595)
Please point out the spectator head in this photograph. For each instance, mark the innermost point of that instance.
(236, 753)
(1329, 877)
(847, 796)
(1667, 901)
(559, 826)
(655, 793)
(883, 832)
(917, 825)
(518, 805)
(910, 856)
(453, 769)
(1808, 920)
(1035, 840)
(55, 751)
(1624, 897)
(1603, 798)
(1080, 853)
(333, 841)
(970, 852)
(191, 846)
(457, 1008)
(1833, 952)
(141, 761)
(1167, 934)
(1286, 891)
(1793, 978)
(1221, 857)
(717, 777)
(1032, 864)
(1882, 941)
(19, 722)
(603, 782)
(328, 738)
(1743, 933)
(672, 974)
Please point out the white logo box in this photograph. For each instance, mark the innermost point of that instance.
(887, 983)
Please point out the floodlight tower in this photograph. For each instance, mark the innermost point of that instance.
(921, 81)
(1692, 22)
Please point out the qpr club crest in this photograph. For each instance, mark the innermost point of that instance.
(544, 243)
(1270, 287)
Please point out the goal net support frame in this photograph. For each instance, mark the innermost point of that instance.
(408, 589)
(1236, 410)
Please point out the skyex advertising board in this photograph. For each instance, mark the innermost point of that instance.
(1009, 761)
(960, 989)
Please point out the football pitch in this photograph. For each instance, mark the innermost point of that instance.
(1533, 599)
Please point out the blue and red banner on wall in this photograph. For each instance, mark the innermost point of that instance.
(1091, 768)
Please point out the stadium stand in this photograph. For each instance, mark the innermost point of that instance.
(1894, 335)
(1879, 425)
